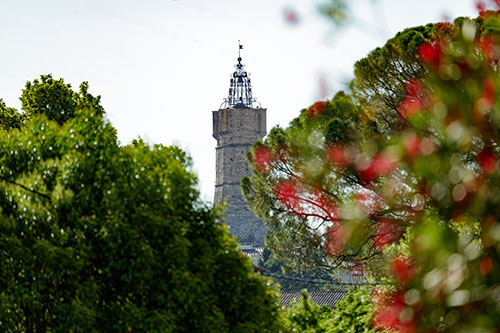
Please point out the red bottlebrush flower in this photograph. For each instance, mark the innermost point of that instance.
(286, 192)
(337, 155)
(480, 6)
(291, 16)
(486, 266)
(387, 233)
(430, 53)
(497, 3)
(367, 174)
(488, 45)
(362, 200)
(413, 87)
(402, 270)
(380, 165)
(487, 161)
(488, 91)
(316, 109)
(368, 202)
(411, 144)
(408, 107)
(336, 239)
(262, 159)
(412, 103)
(388, 311)
(327, 207)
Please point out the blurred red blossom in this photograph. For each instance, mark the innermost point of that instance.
(486, 266)
(430, 53)
(337, 155)
(262, 158)
(402, 270)
(368, 201)
(387, 233)
(286, 192)
(480, 6)
(487, 161)
(379, 165)
(291, 16)
(317, 109)
(488, 92)
(389, 314)
(327, 206)
(411, 144)
(412, 102)
(487, 45)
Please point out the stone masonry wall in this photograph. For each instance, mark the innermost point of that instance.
(235, 131)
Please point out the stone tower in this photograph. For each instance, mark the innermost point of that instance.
(238, 123)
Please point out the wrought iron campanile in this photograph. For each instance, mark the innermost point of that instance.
(239, 122)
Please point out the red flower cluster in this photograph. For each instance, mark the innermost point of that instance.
(327, 206)
(411, 143)
(480, 6)
(291, 16)
(487, 161)
(488, 91)
(316, 109)
(262, 159)
(286, 192)
(337, 155)
(430, 53)
(403, 270)
(379, 165)
(412, 103)
(387, 233)
(489, 46)
(389, 314)
(486, 266)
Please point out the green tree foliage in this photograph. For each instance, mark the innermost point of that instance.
(295, 190)
(436, 179)
(273, 265)
(99, 237)
(305, 316)
(56, 99)
(9, 117)
(380, 78)
(353, 314)
(307, 174)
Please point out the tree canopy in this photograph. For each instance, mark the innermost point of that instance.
(56, 99)
(9, 117)
(424, 192)
(100, 237)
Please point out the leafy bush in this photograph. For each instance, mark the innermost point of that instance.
(100, 237)
(352, 314)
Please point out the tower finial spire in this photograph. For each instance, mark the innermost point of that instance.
(240, 89)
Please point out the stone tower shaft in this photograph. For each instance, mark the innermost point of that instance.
(236, 126)
(235, 131)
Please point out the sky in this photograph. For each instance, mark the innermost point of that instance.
(162, 66)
